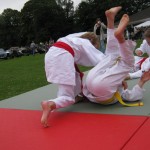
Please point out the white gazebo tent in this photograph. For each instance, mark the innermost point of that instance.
(144, 24)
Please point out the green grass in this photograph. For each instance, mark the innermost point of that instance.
(138, 42)
(20, 75)
(23, 74)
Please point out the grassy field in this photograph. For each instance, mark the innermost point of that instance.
(20, 75)
(23, 74)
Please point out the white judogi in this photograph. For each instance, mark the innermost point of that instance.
(137, 63)
(137, 73)
(144, 47)
(59, 67)
(144, 67)
(106, 78)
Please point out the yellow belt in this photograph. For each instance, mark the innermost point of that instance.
(119, 98)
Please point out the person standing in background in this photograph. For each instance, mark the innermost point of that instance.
(33, 46)
(99, 31)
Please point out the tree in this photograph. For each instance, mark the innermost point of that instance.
(84, 16)
(68, 8)
(88, 10)
(43, 19)
(10, 24)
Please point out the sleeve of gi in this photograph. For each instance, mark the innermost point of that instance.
(136, 74)
(132, 95)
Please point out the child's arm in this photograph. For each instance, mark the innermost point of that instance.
(135, 75)
(141, 50)
(136, 93)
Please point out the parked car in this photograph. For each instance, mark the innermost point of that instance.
(9, 53)
(16, 51)
(3, 54)
(41, 48)
(25, 51)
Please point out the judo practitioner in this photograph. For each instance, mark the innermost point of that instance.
(61, 68)
(145, 46)
(144, 68)
(104, 83)
(143, 62)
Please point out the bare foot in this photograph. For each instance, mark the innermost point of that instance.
(111, 13)
(119, 33)
(47, 107)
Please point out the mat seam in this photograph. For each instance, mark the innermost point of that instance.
(134, 133)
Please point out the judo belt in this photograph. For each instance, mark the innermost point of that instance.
(119, 98)
(141, 61)
(70, 50)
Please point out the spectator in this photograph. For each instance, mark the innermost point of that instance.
(33, 46)
(51, 42)
(99, 31)
(46, 46)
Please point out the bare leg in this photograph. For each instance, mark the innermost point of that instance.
(47, 107)
(112, 42)
(110, 14)
(119, 33)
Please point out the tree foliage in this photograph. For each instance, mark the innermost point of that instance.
(89, 10)
(10, 24)
(40, 20)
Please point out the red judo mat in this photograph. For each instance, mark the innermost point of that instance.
(141, 140)
(21, 130)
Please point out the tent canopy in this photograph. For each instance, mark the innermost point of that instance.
(145, 24)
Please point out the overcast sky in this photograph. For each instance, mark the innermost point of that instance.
(18, 4)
